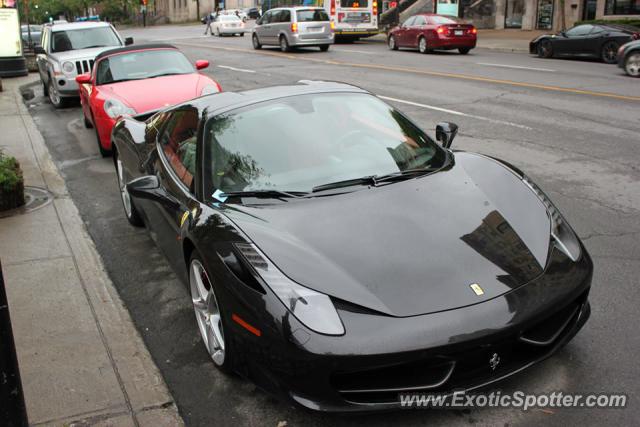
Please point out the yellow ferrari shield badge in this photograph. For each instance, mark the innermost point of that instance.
(184, 218)
(477, 289)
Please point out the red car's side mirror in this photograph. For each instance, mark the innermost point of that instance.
(83, 78)
(201, 64)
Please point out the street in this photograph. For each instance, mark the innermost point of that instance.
(572, 125)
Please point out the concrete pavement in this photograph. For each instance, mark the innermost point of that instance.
(81, 359)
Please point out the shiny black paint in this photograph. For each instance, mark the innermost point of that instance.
(396, 259)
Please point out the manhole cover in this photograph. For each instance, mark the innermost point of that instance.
(35, 198)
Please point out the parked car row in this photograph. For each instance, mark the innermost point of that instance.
(610, 43)
(112, 77)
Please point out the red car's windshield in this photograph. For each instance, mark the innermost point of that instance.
(142, 65)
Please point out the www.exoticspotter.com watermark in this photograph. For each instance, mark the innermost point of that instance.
(518, 399)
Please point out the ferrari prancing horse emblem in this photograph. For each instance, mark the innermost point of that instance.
(494, 361)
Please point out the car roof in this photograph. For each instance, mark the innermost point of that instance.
(134, 47)
(78, 25)
(225, 101)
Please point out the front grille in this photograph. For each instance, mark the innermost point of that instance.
(460, 369)
(84, 66)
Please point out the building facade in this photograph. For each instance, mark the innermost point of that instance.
(538, 14)
(187, 10)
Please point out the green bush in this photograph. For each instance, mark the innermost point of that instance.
(632, 22)
(10, 173)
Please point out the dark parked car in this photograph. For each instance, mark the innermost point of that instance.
(252, 12)
(427, 32)
(338, 266)
(629, 58)
(596, 41)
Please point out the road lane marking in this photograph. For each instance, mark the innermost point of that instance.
(354, 51)
(455, 113)
(518, 67)
(550, 88)
(242, 70)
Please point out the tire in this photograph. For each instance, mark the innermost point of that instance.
(103, 152)
(284, 44)
(218, 32)
(609, 52)
(130, 211)
(210, 314)
(464, 50)
(54, 97)
(545, 49)
(391, 42)
(45, 88)
(241, 34)
(324, 48)
(87, 123)
(422, 45)
(632, 64)
(256, 41)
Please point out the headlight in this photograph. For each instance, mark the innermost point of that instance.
(312, 308)
(563, 236)
(68, 67)
(115, 109)
(209, 89)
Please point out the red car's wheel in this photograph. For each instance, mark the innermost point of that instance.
(103, 151)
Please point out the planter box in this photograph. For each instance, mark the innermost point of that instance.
(12, 199)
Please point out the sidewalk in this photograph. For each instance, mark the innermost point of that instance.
(507, 40)
(81, 359)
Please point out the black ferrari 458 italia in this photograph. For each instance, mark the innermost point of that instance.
(337, 256)
(586, 40)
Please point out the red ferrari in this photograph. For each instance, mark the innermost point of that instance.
(136, 80)
(428, 32)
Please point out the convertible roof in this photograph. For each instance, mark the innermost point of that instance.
(224, 101)
(135, 47)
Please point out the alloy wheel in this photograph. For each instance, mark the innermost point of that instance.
(54, 96)
(609, 52)
(124, 193)
(207, 310)
(422, 45)
(632, 65)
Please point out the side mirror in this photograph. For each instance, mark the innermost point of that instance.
(446, 132)
(39, 50)
(148, 187)
(201, 64)
(128, 41)
(83, 79)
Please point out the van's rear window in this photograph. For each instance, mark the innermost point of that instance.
(312, 15)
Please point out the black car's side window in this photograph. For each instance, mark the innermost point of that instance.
(179, 140)
(580, 30)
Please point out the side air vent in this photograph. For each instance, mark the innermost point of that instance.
(241, 271)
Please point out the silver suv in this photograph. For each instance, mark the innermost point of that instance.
(69, 50)
(290, 27)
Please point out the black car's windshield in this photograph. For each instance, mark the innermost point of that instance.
(299, 143)
(142, 65)
(83, 38)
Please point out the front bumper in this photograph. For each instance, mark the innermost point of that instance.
(66, 85)
(380, 356)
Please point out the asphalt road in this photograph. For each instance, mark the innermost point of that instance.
(573, 125)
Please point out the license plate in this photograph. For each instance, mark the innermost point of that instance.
(458, 32)
(314, 30)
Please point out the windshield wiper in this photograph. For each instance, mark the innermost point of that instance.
(374, 180)
(164, 74)
(402, 175)
(97, 45)
(365, 180)
(265, 193)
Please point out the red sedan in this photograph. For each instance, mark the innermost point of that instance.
(135, 80)
(428, 31)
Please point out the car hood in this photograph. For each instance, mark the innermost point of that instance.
(159, 92)
(73, 55)
(412, 247)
